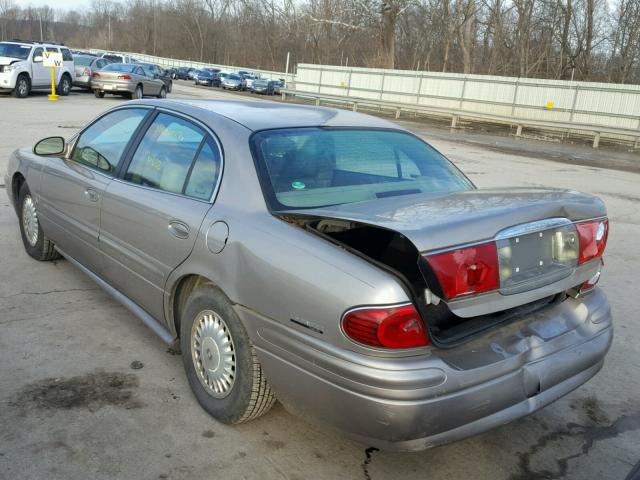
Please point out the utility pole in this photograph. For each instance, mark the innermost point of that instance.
(41, 37)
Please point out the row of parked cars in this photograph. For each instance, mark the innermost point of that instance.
(241, 80)
(22, 71)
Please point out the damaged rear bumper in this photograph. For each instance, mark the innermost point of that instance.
(414, 403)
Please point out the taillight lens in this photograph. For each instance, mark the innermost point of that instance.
(124, 77)
(593, 239)
(467, 270)
(95, 75)
(386, 327)
(86, 72)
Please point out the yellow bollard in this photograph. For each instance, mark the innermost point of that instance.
(53, 96)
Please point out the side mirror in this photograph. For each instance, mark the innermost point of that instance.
(37, 59)
(49, 146)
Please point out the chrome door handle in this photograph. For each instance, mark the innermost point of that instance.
(91, 194)
(178, 229)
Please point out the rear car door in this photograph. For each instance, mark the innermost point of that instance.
(151, 215)
(72, 188)
(151, 86)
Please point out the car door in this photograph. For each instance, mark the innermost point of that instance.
(41, 75)
(72, 188)
(152, 213)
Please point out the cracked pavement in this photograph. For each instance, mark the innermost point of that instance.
(72, 406)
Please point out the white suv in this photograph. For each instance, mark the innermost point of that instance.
(21, 68)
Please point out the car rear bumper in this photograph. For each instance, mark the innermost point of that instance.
(414, 403)
(114, 87)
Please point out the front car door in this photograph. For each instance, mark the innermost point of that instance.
(41, 75)
(73, 187)
(151, 215)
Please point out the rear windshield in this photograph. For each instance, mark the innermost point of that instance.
(15, 51)
(120, 67)
(315, 167)
(233, 77)
(83, 61)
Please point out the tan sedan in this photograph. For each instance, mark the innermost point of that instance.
(127, 79)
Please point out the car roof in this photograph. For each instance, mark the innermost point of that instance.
(263, 115)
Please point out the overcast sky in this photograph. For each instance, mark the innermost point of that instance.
(66, 4)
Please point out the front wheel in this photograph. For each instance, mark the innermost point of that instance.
(35, 242)
(220, 363)
(163, 93)
(23, 86)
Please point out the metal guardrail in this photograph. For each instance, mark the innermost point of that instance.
(456, 115)
(174, 63)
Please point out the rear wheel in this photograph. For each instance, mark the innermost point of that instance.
(35, 242)
(220, 363)
(65, 85)
(98, 94)
(23, 86)
(170, 87)
(137, 94)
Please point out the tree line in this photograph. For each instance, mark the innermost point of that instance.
(595, 40)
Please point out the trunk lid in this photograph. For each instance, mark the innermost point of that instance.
(435, 222)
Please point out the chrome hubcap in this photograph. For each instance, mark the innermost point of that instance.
(22, 87)
(30, 220)
(213, 353)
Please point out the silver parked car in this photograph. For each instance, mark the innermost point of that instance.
(232, 82)
(328, 259)
(128, 79)
(84, 68)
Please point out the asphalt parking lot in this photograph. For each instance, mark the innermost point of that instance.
(86, 391)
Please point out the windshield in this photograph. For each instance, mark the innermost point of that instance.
(83, 61)
(15, 51)
(260, 83)
(120, 67)
(315, 167)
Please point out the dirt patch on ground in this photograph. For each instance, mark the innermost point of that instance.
(91, 391)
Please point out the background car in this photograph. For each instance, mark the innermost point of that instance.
(113, 58)
(182, 73)
(232, 82)
(85, 65)
(171, 72)
(265, 87)
(205, 78)
(157, 71)
(126, 79)
(22, 69)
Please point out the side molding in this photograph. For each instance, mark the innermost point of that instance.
(155, 326)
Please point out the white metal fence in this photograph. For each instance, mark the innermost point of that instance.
(604, 104)
(175, 63)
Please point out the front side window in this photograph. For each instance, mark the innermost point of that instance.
(164, 157)
(38, 52)
(315, 167)
(102, 144)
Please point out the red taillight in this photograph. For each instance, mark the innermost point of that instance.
(467, 270)
(95, 75)
(124, 77)
(86, 72)
(386, 327)
(593, 239)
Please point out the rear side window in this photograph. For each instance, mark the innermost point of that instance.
(102, 144)
(66, 55)
(164, 157)
(205, 172)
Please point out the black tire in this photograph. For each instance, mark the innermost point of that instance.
(64, 88)
(138, 94)
(170, 87)
(23, 86)
(98, 94)
(250, 395)
(42, 249)
(163, 93)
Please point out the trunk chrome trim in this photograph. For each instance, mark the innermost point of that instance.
(532, 227)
